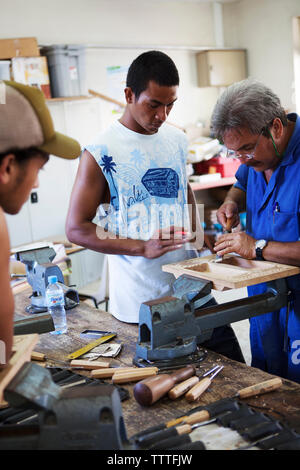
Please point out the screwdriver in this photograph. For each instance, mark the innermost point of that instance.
(200, 387)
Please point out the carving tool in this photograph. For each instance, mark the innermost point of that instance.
(186, 385)
(200, 415)
(219, 258)
(91, 345)
(89, 365)
(257, 389)
(107, 373)
(200, 387)
(150, 390)
(134, 375)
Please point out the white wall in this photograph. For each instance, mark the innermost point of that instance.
(264, 28)
(138, 23)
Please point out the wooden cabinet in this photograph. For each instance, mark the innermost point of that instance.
(221, 67)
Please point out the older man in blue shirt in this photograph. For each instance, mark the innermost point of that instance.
(251, 122)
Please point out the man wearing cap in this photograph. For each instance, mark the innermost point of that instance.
(27, 138)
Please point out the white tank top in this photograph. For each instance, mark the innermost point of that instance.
(146, 175)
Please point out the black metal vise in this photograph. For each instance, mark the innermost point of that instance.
(79, 418)
(173, 327)
(39, 267)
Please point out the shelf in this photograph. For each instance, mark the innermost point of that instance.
(213, 184)
(69, 98)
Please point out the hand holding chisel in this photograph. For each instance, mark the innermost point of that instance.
(228, 228)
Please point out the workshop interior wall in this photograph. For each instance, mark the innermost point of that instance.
(264, 28)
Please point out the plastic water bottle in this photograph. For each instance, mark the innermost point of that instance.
(56, 305)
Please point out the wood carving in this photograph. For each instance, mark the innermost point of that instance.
(231, 273)
(21, 353)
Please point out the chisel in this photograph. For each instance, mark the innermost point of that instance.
(109, 372)
(166, 434)
(196, 391)
(150, 390)
(219, 258)
(186, 385)
(121, 377)
(203, 416)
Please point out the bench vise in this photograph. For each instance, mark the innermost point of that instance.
(173, 327)
(76, 418)
(39, 267)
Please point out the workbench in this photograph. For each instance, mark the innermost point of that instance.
(283, 404)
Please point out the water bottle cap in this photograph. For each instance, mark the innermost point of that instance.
(52, 279)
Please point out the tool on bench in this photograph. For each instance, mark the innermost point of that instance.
(281, 438)
(150, 390)
(186, 385)
(69, 418)
(93, 344)
(196, 391)
(173, 328)
(210, 413)
(229, 221)
(39, 267)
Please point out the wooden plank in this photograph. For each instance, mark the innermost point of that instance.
(233, 272)
(21, 353)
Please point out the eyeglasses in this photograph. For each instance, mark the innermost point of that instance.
(243, 153)
(249, 156)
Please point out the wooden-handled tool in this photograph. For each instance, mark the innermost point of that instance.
(183, 387)
(200, 415)
(135, 375)
(89, 365)
(259, 389)
(186, 385)
(228, 227)
(131, 372)
(200, 387)
(150, 390)
(185, 424)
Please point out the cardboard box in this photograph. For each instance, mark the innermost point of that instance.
(19, 47)
(32, 71)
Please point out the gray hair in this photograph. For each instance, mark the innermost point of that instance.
(249, 104)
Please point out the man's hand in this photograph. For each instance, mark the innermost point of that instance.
(164, 240)
(238, 242)
(228, 210)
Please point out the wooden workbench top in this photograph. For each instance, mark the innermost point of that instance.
(283, 404)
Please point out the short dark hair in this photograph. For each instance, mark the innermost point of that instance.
(22, 155)
(151, 65)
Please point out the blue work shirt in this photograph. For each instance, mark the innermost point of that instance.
(273, 214)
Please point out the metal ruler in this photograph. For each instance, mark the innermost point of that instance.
(91, 345)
